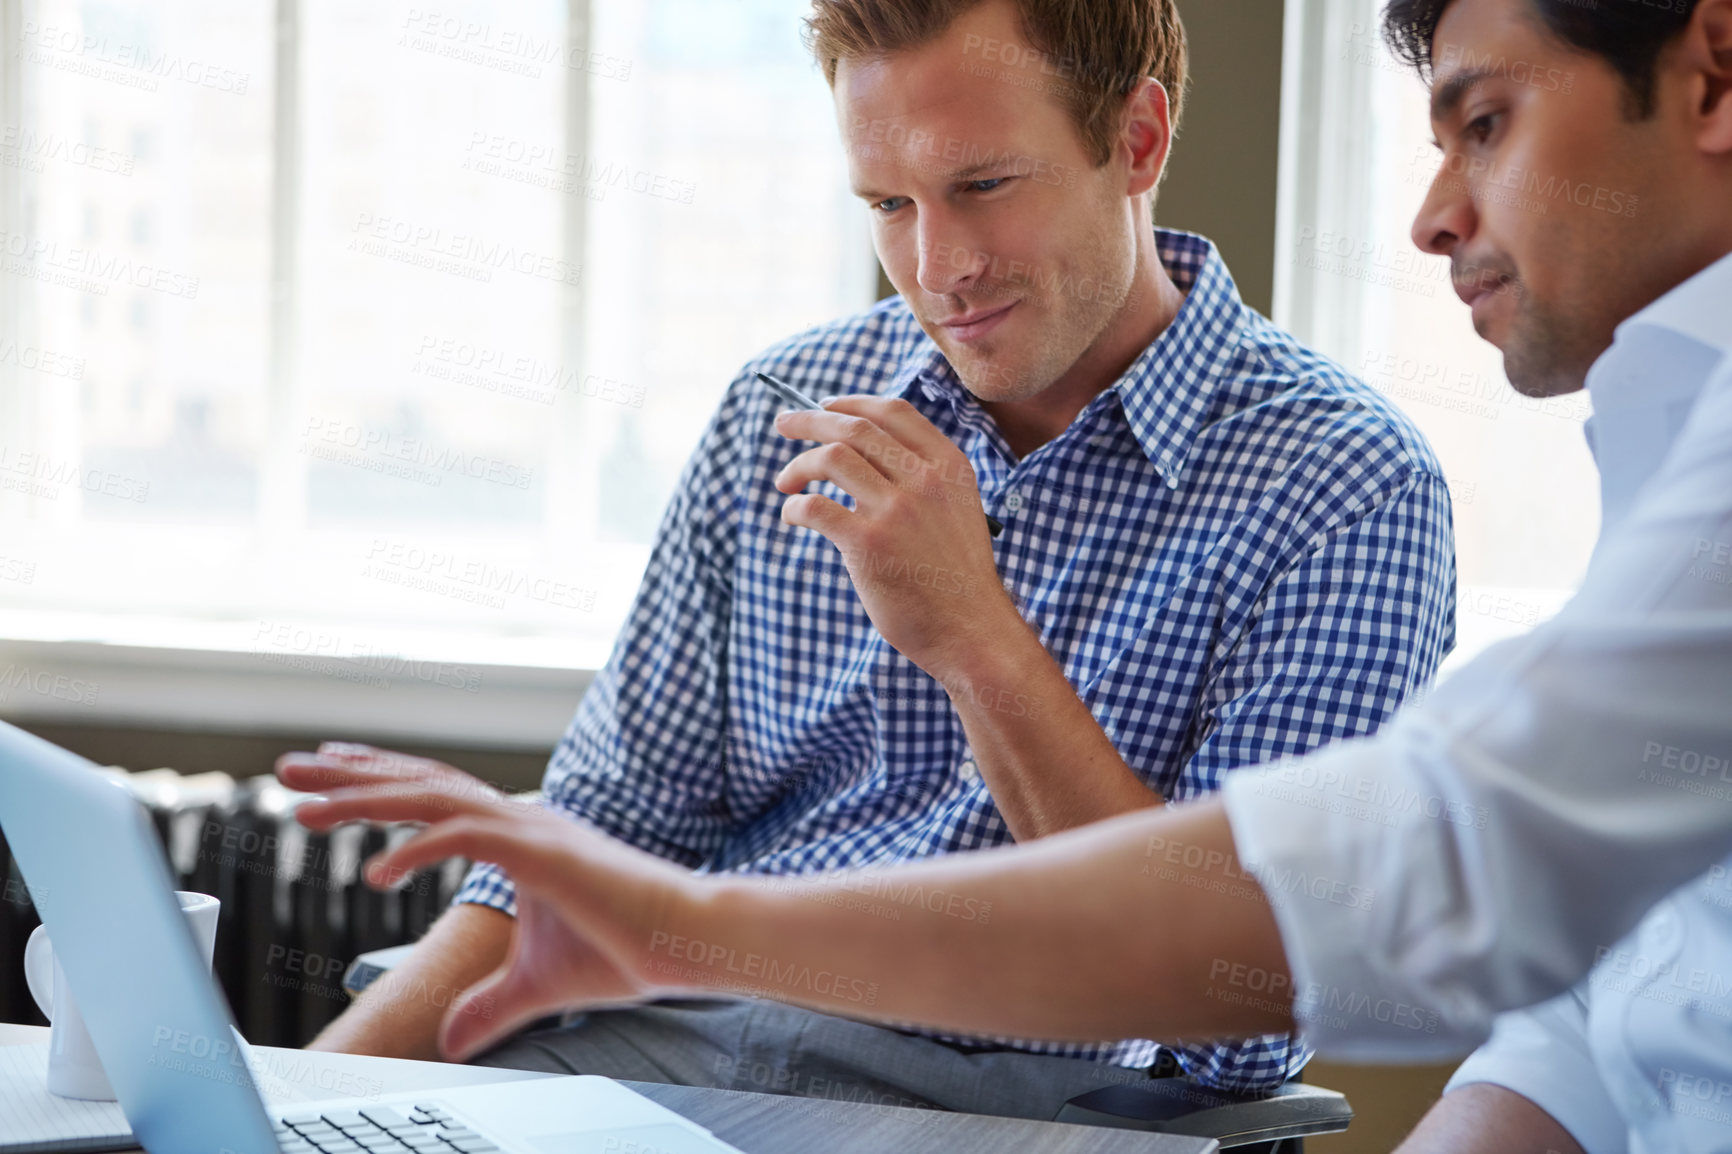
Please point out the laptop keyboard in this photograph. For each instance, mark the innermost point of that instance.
(379, 1130)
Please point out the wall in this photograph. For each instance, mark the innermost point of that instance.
(1221, 180)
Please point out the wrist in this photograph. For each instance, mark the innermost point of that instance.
(1002, 651)
(685, 921)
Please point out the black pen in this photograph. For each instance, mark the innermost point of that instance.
(801, 401)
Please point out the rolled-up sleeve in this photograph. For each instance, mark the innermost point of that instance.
(1542, 1054)
(1535, 806)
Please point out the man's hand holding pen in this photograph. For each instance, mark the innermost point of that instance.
(916, 542)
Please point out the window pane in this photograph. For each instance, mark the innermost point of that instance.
(1520, 474)
(133, 349)
(422, 348)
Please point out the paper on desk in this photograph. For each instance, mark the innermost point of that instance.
(29, 1114)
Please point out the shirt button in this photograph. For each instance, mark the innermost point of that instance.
(969, 771)
(1013, 502)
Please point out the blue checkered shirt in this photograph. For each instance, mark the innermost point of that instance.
(1237, 552)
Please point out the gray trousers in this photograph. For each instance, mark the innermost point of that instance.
(771, 1048)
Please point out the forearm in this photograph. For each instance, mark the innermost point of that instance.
(398, 1016)
(1045, 759)
(987, 943)
(1486, 1119)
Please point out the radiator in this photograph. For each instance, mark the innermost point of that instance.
(294, 911)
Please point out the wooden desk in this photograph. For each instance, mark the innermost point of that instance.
(756, 1123)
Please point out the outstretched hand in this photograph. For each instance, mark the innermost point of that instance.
(587, 906)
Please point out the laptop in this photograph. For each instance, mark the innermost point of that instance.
(177, 1064)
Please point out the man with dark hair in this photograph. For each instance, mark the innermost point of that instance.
(1217, 547)
(1639, 1055)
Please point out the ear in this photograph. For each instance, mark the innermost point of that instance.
(1708, 53)
(1148, 135)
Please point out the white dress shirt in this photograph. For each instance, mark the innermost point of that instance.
(1515, 825)
(1638, 1057)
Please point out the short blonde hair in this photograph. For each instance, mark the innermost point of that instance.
(1100, 49)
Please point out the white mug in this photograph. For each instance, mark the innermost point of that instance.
(74, 1069)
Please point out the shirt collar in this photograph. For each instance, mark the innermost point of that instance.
(1169, 392)
(1645, 386)
(1695, 311)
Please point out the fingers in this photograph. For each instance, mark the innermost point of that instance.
(839, 464)
(488, 1012)
(887, 456)
(901, 420)
(387, 762)
(513, 845)
(584, 875)
(336, 765)
(404, 801)
(820, 514)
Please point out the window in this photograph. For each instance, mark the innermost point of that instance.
(344, 332)
(1357, 160)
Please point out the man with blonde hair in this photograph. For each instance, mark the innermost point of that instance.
(1217, 547)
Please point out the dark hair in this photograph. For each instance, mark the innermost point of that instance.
(1098, 51)
(1627, 34)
